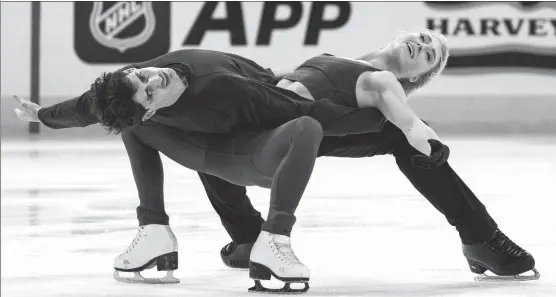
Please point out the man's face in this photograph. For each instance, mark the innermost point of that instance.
(155, 87)
(417, 53)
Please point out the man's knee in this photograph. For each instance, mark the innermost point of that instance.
(308, 129)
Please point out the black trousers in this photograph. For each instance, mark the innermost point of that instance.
(442, 187)
(281, 159)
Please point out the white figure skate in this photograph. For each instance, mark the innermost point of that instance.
(153, 245)
(272, 255)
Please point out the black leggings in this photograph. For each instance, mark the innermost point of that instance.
(442, 187)
(281, 159)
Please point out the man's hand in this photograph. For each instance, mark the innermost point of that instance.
(27, 111)
(439, 155)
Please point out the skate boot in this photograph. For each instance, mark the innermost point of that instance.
(236, 255)
(153, 245)
(502, 257)
(272, 255)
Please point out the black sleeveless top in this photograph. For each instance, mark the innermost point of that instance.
(327, 76)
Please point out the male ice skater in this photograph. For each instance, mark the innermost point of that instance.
(256, 134)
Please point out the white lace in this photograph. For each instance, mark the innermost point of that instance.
(140, 235)
(285, 253)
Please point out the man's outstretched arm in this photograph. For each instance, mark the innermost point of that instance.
(77, 112)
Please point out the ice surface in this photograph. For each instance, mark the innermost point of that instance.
(68, 208)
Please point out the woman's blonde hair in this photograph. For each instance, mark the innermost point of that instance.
(410, 86)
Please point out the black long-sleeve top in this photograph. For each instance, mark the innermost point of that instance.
(212, 75)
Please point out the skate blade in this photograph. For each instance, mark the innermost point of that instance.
(139, 279)
(495, 278)
(259, 288)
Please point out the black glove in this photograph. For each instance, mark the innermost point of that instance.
(439, 155)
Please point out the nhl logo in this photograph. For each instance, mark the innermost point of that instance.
(115, 26)
(121, 32)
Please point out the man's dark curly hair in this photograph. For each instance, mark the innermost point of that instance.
(113, 93)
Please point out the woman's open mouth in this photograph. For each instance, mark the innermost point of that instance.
(411, 51)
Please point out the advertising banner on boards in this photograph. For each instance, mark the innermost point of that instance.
(495, 46)
(482, 34)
